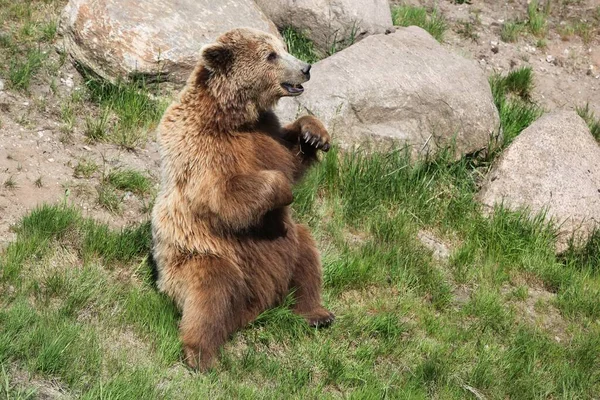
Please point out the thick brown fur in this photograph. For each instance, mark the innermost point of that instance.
(225, 244)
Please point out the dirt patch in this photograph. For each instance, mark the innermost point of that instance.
(25, 384)
(537, 309)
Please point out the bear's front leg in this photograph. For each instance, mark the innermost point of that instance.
(306, 135)
(241, 201)
(309, 133)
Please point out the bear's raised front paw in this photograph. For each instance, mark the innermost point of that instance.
(314, 134)
(320, 319)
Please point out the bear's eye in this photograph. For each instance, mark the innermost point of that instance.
(272, 56)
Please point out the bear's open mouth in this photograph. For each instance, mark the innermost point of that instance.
(293, 89)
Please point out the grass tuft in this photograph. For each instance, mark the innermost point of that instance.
(512, 95)
(511, 31)
(433, 23)
(136, 109)
(131, 180)
(299, 45)
(537, 22)
(588, 116)
(22, 69)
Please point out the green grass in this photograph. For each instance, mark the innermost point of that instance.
(22, 69)
(511, 31)
(109, 198)
(512, 96)
(134, 105)
(80, 293)
(433, 22)
(130, 180)
(300, 46)
(28, 27)
(85, 169)
(588, 116)
(537, 22)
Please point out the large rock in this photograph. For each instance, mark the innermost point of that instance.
(152, 38)
(400, 89)
(330, 23)
(552, 166)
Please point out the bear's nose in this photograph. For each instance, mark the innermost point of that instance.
(306, 69)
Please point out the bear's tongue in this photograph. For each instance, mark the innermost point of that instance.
(293, 89)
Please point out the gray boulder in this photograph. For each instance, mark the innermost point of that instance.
(400, 89)
(157, 39)
(330, 23)
(552, 166)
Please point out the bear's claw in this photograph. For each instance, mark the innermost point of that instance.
(322, 320)
(316, 140)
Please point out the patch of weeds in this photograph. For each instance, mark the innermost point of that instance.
(96, 129)
(468, 30)
(433, 22)
(85, 169)
(566, 32)
(109, 198)
(336, 45)
(21, 70)
(48, 31)
(136, 109)
(512, 98)
(585, 258)
(488, 308)
(537, 22)
(9, 390)
(588, 116)
(541, 44)
(585, 31)
(299, 45)
(10, 183)
(511, 31)
(130, 180)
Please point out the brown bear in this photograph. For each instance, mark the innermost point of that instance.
(224, 241)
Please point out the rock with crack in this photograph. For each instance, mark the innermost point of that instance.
(330, 23)
(400, 89)
(155, 39)
(553, 167)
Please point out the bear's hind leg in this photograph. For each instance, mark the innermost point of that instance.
(212, 311)
(307, 282)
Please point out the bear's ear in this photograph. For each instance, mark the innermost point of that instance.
(216, 57)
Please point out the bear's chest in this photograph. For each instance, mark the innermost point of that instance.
(263, 152)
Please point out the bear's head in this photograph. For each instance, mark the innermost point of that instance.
(249, 67)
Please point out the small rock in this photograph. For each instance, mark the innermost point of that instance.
(591, 70)
(493, 43)
(41, 134)
(551, 59)
(495, 49)
(87, 148)
(68, 81)
(51, 160)
(438, 247)
(530, 49)
(1, 85)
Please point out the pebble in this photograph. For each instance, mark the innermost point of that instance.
(1, 85)
(551, 59)
(68, 81)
